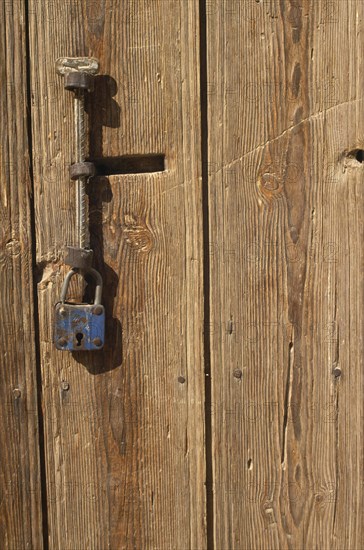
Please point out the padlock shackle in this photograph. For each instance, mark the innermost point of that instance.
(90, 271)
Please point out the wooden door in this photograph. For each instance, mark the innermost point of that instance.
(225, 410)
(286, 131)
(124, 430)
(20, 470)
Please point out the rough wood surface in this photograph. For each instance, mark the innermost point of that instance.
(124, 427)
(285, 85)
(20, 499)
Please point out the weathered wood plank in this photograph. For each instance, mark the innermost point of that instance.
(285, 83)
(124, 427)
(20, 483)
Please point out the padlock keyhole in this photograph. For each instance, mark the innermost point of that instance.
(79, 338)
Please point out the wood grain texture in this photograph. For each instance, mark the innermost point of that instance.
(124, 427)
(285, 85)
(20, 498)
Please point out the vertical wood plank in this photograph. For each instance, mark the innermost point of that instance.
(20, 482)
(285, 85)
(124, 427)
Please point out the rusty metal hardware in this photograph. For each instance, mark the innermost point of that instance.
(79, 81)
(82, 170)
(80, 258)
(80, 327)
(79, 73)
(65, 65)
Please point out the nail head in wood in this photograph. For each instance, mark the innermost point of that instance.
(336, 372)
(16, 393)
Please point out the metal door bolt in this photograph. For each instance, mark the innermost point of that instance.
(80, 326)
(79, 75)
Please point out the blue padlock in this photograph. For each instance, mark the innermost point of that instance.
(80, 327)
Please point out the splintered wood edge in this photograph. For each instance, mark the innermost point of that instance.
(66, 65)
